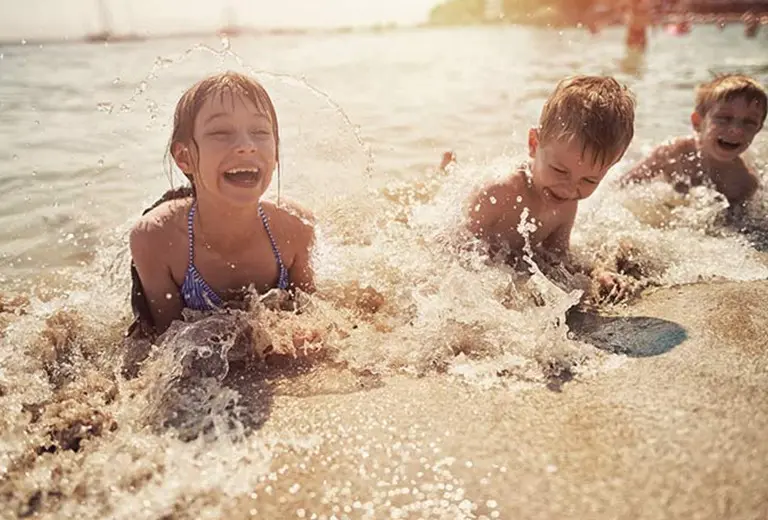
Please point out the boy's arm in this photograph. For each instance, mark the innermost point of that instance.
(750, 184)
(659, 162)
(558, 243)
(487, 208)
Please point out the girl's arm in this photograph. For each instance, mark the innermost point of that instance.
(148, 241)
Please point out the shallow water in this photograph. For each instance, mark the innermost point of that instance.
(364, 119)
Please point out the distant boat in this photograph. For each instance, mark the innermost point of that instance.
(106, 35)
(230, 29)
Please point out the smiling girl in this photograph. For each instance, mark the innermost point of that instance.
(201, 246)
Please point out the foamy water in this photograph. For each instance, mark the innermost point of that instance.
(364, 119)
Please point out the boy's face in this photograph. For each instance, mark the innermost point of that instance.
(563, 171)
(727, 130)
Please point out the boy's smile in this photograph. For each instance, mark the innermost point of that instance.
(728, 129)
(562, 171)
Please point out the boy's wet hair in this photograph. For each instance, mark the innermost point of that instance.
(232, 84)
(727, 87)
(596, 111)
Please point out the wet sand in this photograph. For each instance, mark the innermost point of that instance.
(681, 434)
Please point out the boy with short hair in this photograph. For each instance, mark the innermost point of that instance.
(730, 111)
(585, 127)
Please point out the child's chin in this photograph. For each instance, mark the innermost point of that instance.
(728, 153)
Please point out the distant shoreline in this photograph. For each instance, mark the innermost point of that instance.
(541, 21)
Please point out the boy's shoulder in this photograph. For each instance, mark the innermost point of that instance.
(504, 190)
(678, 146)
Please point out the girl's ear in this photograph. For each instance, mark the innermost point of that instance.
(182, 157)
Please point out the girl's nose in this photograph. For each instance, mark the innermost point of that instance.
(245, 143)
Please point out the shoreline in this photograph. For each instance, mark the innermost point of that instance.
(541, 22)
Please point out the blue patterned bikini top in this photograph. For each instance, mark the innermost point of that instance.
(195, 292)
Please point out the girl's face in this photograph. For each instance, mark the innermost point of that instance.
(235, 153)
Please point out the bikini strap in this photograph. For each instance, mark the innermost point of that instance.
(282, 281)
(191, 232)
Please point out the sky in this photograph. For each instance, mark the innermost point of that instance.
(56, 18)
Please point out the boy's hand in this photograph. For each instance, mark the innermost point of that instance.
(613, 288)
(448, 158)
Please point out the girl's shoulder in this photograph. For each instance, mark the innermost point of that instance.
(289, 211)
(162, 222)
(291, 218)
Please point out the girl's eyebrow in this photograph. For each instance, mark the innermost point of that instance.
(215, 116)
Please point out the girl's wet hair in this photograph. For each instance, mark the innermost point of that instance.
(231, 85)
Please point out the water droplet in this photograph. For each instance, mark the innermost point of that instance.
(15, 157)
(2, 56)
(105, 106)
(492, 199)
(116, 81)
(100, 163)
(168, 296)
(37, 122)
(519, 198)
(34, 173)
(23, 41)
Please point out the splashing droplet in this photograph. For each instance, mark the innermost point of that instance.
(100, 163)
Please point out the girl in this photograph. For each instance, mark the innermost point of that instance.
(200, 246)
